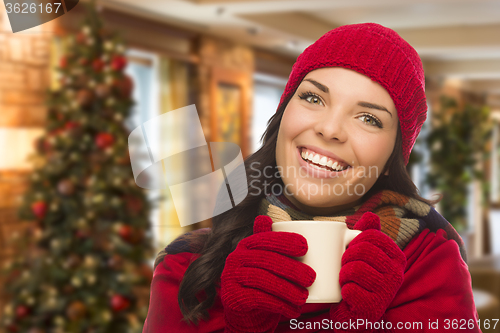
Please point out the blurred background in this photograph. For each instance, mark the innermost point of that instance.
(232, 59)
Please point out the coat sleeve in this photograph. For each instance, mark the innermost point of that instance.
(164, 314)
(436, 294)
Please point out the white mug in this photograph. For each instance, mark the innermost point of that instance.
(326, 241)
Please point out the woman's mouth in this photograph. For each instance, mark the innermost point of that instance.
(326, 165)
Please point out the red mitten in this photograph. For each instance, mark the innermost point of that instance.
(260, 282)
(371, 274)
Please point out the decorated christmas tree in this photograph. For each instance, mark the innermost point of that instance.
(84, 265)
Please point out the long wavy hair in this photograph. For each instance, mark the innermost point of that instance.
(197, 290)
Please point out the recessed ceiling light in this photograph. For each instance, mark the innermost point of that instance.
(220, 10)
(292, 44)
(253, 31)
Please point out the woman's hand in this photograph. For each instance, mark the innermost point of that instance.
(260, 282)
(371, 274)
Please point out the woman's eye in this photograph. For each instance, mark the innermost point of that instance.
(311, 98)
(372, 121)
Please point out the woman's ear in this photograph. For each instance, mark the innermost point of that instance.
(386, 173)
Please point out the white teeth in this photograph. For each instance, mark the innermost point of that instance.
(323, 160)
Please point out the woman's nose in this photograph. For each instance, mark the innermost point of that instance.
(331, 126)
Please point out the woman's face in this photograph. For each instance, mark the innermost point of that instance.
(347, 120)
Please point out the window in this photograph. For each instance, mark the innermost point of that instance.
(267, 94)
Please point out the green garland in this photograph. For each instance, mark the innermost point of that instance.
(458, 142)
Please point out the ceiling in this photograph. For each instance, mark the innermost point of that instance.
(456, 39)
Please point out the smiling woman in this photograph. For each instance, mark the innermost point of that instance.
(339, 141)
(333, 113)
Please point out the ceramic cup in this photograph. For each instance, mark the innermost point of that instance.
(327, 241)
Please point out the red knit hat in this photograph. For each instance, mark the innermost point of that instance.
(382, 55)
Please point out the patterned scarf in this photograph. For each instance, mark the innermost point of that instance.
(401, 218)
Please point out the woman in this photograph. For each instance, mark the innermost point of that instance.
(336, 149)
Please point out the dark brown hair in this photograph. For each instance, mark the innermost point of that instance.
(197, 291)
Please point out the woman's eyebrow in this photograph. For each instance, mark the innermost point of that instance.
(373, 106)
(363, 104)
(318, 85)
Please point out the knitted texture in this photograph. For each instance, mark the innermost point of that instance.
(260, 282)
(401, 217)
(372, 271)
(382, 55)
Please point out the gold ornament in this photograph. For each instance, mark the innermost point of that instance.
(51, 303)
(76, 310)
(108, 45)
(54, 206)
(76, 282)
(55, 244)
(109, 151)
(89, 261)
(91, 279)
(110, 101)
(8, 310)
(59, 321)
(86, 30)
(106, 316)
(74, 104)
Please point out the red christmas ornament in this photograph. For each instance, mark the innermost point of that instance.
(98, 65)
(104, 140)
(36, 330)
(81, 234)
(22, 311)
(12, 328)
(55, 132)
(134, 205)
(73, 128)
(102, 90)
(39, 208)
(119, 303)
(63, 62)
(115, 262)
(146, 272)
(66, 187)
(84, 97)
(118, 63)
(124, 86)
(71, 125)
(126, 232)
(80, 38)
(83, 61)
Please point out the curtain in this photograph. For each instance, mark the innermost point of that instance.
(174, 94)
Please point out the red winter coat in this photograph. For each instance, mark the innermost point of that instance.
(436, 293)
